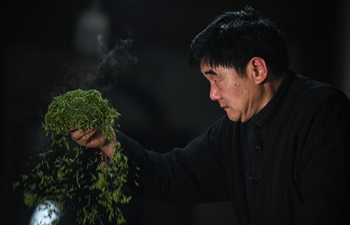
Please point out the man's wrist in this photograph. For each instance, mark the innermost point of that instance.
(109, 148)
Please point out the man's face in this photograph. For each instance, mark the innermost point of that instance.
(235, 94)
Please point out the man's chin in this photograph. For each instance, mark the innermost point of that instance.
(234, 118)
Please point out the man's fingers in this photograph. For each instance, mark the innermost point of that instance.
(78, 135)
(92, 138)
(73, 129)
(94, 142)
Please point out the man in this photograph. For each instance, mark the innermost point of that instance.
(282, 152)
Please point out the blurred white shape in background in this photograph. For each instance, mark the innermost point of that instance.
(45, 214)
(90, 24)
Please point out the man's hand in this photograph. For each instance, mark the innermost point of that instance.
(93, 138)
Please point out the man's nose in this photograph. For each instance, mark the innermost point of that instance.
(214, 93)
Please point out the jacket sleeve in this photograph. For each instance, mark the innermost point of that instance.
(188, 175)
(325, 163)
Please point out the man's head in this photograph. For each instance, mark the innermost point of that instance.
(244, 57)
(234, 38)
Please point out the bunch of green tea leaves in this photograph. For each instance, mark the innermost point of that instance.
(79, 108)
(92, 189)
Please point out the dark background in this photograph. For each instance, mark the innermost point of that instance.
(162, 101)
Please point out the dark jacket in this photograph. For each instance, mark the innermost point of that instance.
(289, 164)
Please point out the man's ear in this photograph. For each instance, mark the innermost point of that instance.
(258, 69)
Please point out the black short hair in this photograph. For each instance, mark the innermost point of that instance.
(233, 38)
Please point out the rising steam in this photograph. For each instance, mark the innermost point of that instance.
(111, 64)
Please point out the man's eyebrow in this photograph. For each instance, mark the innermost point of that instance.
(210, 72)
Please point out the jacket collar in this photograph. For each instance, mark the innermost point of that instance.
(264, 117)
